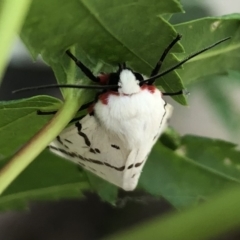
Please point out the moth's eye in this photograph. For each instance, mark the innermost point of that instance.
(138, 76)
(113, 79)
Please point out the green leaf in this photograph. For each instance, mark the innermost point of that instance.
(200, 33)
(220, 92)
(92, 27)
(107, 191)
(19, 121)
(218, 155)
(91, 23)
(234, 75)
(179, 179)
(47, 178)
(170, 138)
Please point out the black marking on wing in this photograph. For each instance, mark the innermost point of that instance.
(165, 104)
(83, 135)
(76, 155)
(116, 168)
(71, 154)
(133, 175)
(61, 142)
(92, 150)
(94, 161)
(68, 141)
(130, 166)
(139, 164)
(115, 146)
(97, 150)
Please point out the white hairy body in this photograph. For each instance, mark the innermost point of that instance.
(120, 134)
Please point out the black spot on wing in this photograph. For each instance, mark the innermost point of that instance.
(92, 150)
(139, 164)
(130, 166)
(83, 135)
(97, 150)
(115, 146)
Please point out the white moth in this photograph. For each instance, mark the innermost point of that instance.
(115, 138)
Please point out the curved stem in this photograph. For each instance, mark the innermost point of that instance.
(12, 17)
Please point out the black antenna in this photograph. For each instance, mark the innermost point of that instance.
(66, 86)
(158, 66)
(84, 69)
(102, 87)
(183, 61)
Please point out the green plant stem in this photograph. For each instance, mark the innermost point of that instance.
(219, 215)
(38, 142)
(12, 16)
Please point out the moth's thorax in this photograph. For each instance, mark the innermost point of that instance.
(128, 84)
(133, 117)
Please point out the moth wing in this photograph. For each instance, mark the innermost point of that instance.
(91, 146)
(138, 157)
(103, 153)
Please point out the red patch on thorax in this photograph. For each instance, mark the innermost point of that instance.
(103, 79)
(104, 96)
(90, 108)
(150, 88)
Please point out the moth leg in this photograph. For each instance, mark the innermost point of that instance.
(83, 107)
(54, 112)
(39, 112)
(182, 92)
(84, 69)
(163, 56)
(77, 119)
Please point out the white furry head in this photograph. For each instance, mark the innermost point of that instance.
(128, 84)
